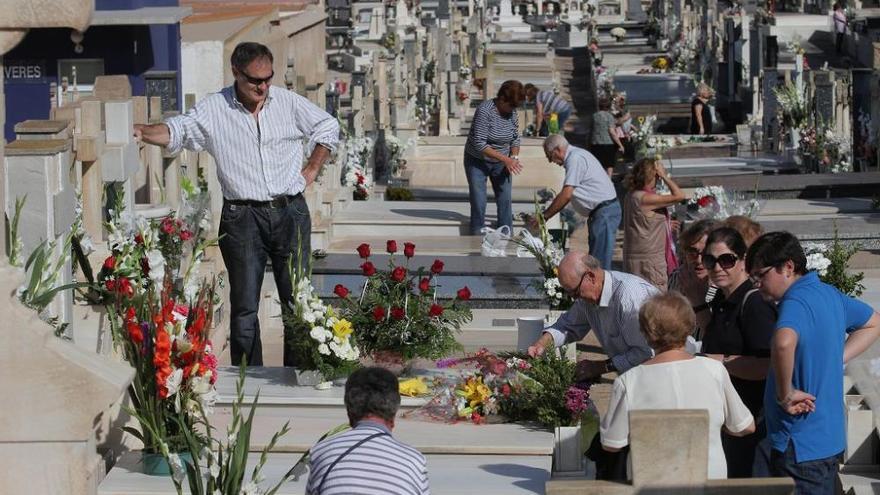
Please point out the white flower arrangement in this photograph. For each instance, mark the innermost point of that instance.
(816, 259)
(356, 156)
(714, 202)
(318, 338)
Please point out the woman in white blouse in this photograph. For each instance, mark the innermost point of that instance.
(674, 379)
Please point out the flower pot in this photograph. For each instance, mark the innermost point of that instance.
(156, 464)
(568, 456)
(528, 330)
(390, 360)
(307, 378)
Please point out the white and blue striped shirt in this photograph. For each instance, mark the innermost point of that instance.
(615, 320)
(257, 159)
(380, 466)
(490, 129)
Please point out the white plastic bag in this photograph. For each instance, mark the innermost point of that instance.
(495, 242)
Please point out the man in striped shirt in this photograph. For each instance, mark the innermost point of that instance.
(547, 103)
(607, 302)
(255, 132)
(367, 459)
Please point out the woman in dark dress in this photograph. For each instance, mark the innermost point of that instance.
(738, 335)
(701, 115)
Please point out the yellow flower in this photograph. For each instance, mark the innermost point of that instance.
(475, 391)
(555, 271)
(342, 329)
(413, 387)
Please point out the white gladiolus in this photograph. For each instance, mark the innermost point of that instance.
(156, 262)
(173, 381)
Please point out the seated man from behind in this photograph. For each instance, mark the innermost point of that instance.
(367, 459)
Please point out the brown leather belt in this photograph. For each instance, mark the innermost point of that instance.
(277, 202)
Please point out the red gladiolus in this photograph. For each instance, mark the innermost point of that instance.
(391, 247)
(464, 293)
(123, 286)
(398, 274)
(110, 285)
(378, 313)
(437, 267)
(341, 291)
(425, 285)
(139, 239)
(436, 310)
(409, 249)
(476, 418)
(369, 269)
(110, 263)
(397, 313)
(134, 330)
(185, 235)
(364, 250)
(505, 390)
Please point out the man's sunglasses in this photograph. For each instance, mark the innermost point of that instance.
(255, 81)
(726, 261)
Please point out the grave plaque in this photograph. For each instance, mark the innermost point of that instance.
(164, 85)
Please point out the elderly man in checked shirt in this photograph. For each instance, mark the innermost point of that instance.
(255, 132)
(607, 302)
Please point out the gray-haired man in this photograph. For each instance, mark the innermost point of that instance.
(367, 459)
(591, 194)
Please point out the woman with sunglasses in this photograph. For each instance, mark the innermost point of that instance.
(739, 336)
(691, 278)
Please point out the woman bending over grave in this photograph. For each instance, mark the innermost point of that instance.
(674, 379)
(492, 152)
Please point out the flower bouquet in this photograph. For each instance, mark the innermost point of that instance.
(397, 313)
(548, 255)
(161, 327)
(357, 153)
(494, 388)
(319, 340)
(716, 203)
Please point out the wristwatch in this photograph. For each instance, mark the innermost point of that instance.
(609, 366)
(515, 157)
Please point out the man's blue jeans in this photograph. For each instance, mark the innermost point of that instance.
(604, 223)
(477, 171)
(818, 477)
(251, 235)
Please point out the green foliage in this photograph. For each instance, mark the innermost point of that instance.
(224, 461)
(16, 246)
(398, 194)
(839, 255)
(542, 396)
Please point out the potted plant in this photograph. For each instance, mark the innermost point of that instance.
(322, 343)
(397, 313)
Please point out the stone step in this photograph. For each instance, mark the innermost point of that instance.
(447, 474)
(402, 219)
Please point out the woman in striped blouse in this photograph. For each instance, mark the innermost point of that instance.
(492, 152)
(547, 103)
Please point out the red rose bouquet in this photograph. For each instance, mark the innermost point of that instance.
(397, 311)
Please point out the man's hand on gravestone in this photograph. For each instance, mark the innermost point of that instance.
(589, 370)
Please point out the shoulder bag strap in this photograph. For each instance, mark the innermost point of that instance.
(350, 449)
